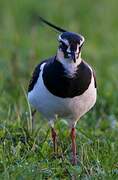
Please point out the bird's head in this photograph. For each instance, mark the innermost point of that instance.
(70, 45)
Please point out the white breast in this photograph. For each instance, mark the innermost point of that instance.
(50, 105)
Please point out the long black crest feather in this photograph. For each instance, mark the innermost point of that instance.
(51, 25)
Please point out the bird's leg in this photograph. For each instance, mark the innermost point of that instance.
(33, 114)
(54, 138)
(73, 136)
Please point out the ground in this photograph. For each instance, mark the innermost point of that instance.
(26, 152)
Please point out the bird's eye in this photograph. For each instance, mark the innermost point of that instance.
(63, 46)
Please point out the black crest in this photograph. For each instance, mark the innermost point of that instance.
(51, 25)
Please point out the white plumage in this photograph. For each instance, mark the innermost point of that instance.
(70, 108)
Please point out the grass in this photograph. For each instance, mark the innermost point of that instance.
(27, 153)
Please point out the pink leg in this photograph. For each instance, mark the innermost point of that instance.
(54, 138)
(33, 114)
(73, 136)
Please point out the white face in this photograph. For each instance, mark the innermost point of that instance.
(70, 45)
(69, 51)
(76, 52)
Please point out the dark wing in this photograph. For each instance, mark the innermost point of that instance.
(35, 76)
(94, 76)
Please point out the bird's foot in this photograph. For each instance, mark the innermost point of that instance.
(74, 161)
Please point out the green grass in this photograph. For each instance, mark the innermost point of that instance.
(27, 153)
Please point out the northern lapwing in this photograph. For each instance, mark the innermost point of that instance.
(63, 85)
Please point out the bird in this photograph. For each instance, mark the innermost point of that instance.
(64, 85)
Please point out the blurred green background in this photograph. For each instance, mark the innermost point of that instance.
(23, 44)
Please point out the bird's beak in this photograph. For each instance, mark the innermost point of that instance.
(73, 56)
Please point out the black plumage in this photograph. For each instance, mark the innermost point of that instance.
(57, 81)
(60, 84)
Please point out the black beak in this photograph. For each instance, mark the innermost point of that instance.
(73, 56)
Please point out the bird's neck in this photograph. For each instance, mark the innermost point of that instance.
(69, 65)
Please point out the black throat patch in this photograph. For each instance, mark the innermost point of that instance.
(57, 82)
